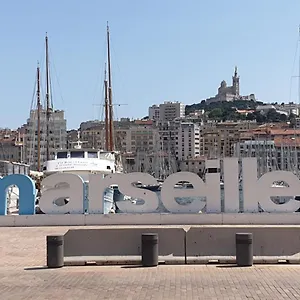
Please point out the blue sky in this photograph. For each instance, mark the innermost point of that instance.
(177, 50)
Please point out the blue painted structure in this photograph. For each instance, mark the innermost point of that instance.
(26, 193)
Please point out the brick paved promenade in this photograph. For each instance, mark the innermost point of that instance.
(22, 277)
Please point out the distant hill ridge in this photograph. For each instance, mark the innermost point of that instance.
(229, 110)
(238, 104)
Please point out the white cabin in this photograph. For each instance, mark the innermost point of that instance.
(82, 162)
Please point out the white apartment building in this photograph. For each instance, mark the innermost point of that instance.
(289, 108)
(272, 155)
(153, 112)
(188, 141)
(57, 136)
(179, 138)
(168, 111)
(253, 148)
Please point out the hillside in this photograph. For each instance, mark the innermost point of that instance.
(238, 104)
(228, 111)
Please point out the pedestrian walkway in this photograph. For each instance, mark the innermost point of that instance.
(22, 276)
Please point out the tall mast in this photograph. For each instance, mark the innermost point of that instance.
(107, 137)
(299, 68)
(48, 108)
(38, 93)
(111, 139)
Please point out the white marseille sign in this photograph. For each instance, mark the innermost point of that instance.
(62, 185)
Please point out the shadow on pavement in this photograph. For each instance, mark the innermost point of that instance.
(36, 268)
(134, 267)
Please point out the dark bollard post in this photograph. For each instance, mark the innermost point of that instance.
(244, 249)
(150, 249)
(55, 251)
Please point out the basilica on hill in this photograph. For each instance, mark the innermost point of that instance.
(230, 93)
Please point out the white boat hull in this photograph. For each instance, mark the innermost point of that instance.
(81, 165)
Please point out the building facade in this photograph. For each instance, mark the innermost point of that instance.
(153, 112)
(11, 145)
(167, 111)
(188, 145)
(57, 136)
(217, 138)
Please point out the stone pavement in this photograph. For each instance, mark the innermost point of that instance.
(22, 276)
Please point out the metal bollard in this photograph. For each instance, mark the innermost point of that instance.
(55, 251)
(150, 249)
(244, 249)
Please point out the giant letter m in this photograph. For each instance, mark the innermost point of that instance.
(26, 193)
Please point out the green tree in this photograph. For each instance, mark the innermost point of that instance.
(250, 117)
(283, 117)
(216, 113)
(259, 117)
(273, 116)
(292, 119)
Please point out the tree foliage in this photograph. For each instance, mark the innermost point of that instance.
(222, 111)
(238, 104)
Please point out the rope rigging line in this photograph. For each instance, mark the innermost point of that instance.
(293, 69)
(56, 77)
(100, 80)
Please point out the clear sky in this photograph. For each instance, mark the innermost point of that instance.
(176, 50)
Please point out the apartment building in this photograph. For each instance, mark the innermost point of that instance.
(168, 135)
(280, 153)
(140, 138)
(11, 150)
(289, 108)
(134, 139)
(217, 138)
(270, 133)
(57, 136)
(194, 165)
(144, 144)
(188, 142)
(167, 111)
(153, 112)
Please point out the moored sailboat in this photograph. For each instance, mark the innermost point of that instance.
(83, 161)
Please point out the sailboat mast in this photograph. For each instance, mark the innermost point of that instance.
(107, 140)
(111, 140)
(48, 108)
(299, 68)
(38, 93)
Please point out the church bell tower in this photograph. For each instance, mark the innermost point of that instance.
(236, 83)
